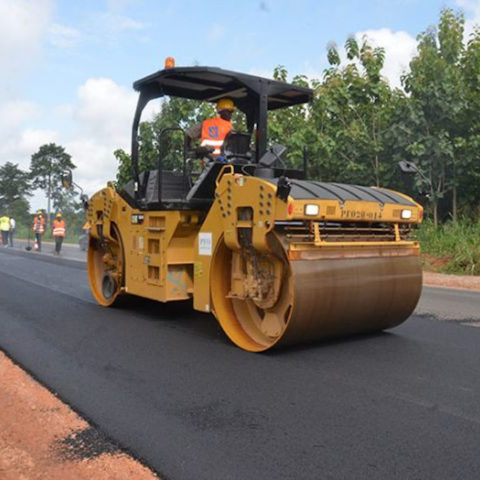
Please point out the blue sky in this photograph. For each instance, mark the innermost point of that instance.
(254, 37)
(68, 66)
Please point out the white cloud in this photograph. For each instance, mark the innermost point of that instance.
(14, 113)
(31, 139)
(472, 13)
(103, 106)
(102, 119)
(399, 47)
(63, 36)
(18, 140)
(23, 24)
(97, 123)
(19, 147)
(63, 111)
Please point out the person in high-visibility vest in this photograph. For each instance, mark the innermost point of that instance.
(5, 228)
(59, 228)
(212, 131)
(39, 230)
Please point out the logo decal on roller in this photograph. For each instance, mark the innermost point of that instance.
(205, 243)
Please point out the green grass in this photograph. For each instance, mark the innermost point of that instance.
(22, 232)
(453, 247)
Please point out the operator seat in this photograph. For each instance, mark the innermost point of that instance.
(236, 147)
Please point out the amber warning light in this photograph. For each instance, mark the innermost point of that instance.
(169, 62)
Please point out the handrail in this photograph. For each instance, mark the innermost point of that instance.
(222, 172)
(160, 156)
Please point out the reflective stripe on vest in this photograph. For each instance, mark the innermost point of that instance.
(214, 131)
(216, 144)
(39, 225)
(58, 228)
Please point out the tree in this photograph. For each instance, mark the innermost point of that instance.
(20, 211)
(124, 169)
(434, 119)
(46, 168)
(468, 172)
(67, 202)
(14, 190)
(351, 112)
(291, 126)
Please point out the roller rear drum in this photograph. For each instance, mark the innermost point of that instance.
(105, 260)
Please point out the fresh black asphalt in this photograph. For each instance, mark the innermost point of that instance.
(165, 383)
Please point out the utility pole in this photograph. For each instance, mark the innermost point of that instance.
(49, 189)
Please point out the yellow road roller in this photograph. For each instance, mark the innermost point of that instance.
(277, 258)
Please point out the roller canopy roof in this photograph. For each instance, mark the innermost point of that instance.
(211, 83)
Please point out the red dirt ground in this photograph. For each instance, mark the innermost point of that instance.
(41, 438)
(467, 282)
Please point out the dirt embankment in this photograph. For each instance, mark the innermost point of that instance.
(41, 438)
(467, 282)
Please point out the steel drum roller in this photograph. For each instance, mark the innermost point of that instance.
(347, 296)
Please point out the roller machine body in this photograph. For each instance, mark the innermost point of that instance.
(276, 258)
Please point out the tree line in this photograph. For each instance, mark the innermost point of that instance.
(358, 127)
(47, 166)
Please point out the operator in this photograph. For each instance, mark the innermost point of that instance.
(212, 132)
(59, 229)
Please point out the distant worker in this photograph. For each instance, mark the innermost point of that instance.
(59, 229)
(39, 230)
(13, 225)
(212, 132)
(5, 228)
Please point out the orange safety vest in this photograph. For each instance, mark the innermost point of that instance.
(214, 131)
(39, 225)
(59, 228)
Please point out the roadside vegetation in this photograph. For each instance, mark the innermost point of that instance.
(451, 247)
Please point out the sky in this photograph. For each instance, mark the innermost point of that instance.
(67, 67)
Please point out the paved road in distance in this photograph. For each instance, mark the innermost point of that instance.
(165, 382)
(69, 250)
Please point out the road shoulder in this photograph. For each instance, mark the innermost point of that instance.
(42, 438)
(464, 282)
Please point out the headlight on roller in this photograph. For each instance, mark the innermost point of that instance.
(311, 209)
(406, 214)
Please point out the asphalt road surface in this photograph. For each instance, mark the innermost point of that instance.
(165, 383)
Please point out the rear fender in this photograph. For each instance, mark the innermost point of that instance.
(101, 212)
